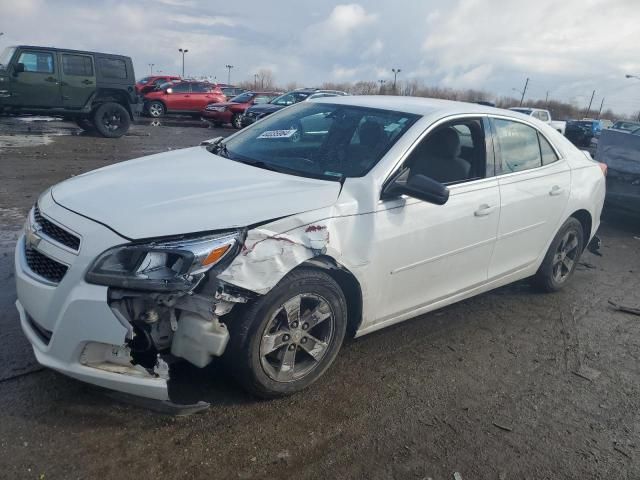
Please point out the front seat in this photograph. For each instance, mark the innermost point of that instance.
(439, 158)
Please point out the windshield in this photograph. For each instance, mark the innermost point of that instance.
(626, 125)
(319, 140)
(242, 98)
(5, 56)
(290, 98)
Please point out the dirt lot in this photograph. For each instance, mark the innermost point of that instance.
(508, 385)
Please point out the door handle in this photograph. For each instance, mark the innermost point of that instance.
(87, 82)
(484, 210)
(556, 190)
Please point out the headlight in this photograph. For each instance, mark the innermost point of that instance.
(163, 265)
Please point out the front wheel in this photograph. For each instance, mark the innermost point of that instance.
(288, 338)
(562, 257)
(111, 120)
(156, 109)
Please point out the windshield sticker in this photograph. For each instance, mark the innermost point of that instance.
(277, 134)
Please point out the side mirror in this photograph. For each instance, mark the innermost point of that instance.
(418, 186)
(19, 68)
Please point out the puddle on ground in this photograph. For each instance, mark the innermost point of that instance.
(32, 130)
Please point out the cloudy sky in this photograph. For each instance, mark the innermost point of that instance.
(566, 47)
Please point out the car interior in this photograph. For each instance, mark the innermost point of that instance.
(451, 154)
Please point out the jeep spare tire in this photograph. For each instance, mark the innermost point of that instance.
(111, 120)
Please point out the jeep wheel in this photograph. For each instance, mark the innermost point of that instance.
(155, 109)
(111, 120)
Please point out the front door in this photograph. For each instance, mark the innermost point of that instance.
(77, 79)
(178, 99)
(534, 190)
(38, 85)
(428, 252)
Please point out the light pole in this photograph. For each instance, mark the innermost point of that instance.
(183, 51)
(637, 77)
(586, 114)
(228, 67)
(395, 71)
(255, 81)
(151, 68)
(381, 82)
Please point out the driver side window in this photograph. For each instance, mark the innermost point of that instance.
(452, 153)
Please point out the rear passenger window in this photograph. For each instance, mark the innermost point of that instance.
(200, 88)
(38, 62)
(113, 68)
(518, 145)
(77, 65)
(181, 88)
(548, 154)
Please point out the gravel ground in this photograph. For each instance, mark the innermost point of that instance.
(508, 385)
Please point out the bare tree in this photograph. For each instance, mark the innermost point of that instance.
(265, 79)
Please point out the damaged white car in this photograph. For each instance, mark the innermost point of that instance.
(333, 217)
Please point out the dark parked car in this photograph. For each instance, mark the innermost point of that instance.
(97, 90)
(182, 97)
(257, 112)
(149, 84)
(620, 151)
(580, 132)
(231, 111)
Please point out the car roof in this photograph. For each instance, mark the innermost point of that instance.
(68, 50)
(417, 105)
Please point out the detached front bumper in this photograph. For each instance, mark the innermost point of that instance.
(68, 322)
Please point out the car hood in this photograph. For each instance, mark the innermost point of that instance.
(265, 108)
(186, 191)
(226, 104)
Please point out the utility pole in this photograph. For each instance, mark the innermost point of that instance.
(395, 71)
(229, 67)
(255, 81)
(586, 114)
(526, 84)
(546, 100)
(151, 68)
(183, 51)
(601, 105)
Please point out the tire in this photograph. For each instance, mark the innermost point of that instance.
(236, 121)
(85, 124)
(562, 257)
(156, 109)
(265, 339)
(111, 120)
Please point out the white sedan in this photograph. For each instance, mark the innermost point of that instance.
(333, 217)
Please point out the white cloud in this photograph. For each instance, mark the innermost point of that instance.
(346, 18)
(203, 20)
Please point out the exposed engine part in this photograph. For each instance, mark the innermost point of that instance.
(198, 339)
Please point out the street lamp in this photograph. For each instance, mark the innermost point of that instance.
(395, 71)
(183, 51)
(151, 68)
(228, 67)
(637, 77)
(255, 81)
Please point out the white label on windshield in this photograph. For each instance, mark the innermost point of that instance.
(277, 134)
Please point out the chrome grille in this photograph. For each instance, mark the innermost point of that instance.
(55, 232)
(44, 266)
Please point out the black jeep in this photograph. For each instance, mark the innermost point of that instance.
(97, 90)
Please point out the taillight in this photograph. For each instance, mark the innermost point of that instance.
(603, 167)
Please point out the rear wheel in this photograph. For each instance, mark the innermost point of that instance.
(289, 337)
(111, 120)
(562, 257)
(236, 121)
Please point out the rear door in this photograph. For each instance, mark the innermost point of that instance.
(200, 97)
(38, 86)
(534, 190)
(179, 97)
(77, 79)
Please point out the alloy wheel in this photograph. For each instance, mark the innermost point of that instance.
(297, 337)
(565, 257)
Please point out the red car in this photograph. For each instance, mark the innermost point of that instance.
(182, 97)
(148, 84)
(231, 111)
